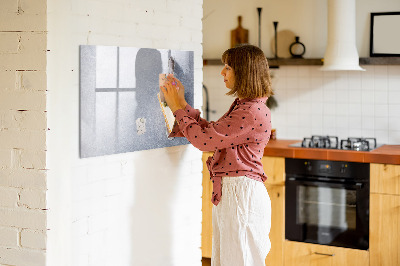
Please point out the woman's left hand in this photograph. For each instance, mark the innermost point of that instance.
(170, 90)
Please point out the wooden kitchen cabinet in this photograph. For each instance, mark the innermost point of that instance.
(206, 225)
(274, 168)
(385, 178)
(384, 236)
(385, 215)
(277, 233)
(305, 254)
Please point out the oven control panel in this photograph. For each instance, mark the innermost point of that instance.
(337, 169)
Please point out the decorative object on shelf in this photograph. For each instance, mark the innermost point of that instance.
(271, 102)
(239, 35)
(276, 38)
(259, 9)
(297, 49)
(285, 39)
(383, 41)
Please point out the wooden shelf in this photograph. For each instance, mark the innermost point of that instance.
(274, 63)
(380, 61)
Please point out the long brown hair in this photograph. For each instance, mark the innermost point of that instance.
(250, 66)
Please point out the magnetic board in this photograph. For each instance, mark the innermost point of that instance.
(119, 108)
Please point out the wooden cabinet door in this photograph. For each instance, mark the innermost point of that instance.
(206, 226)
(384, 237)
(304, 254)
(277, 233)
(274, 168)
(385, 178)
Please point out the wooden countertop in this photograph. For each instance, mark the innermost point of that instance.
(389, 154)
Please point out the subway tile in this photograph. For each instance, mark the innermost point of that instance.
(329, 122)
(304, 72)
(292, 82)
(394, 110)
(304, 82)
(317, 107)
(394, 97)
(355, 96)
(291, 71)
(380, 71)
(367, 96)
(380, 97)
(394, 123)
(367, 83)
(368, 122)
(329, 109)
(381, 123)
(394, 83)
(342, 122)
(317, 131)
(316, 72)
(354, 82)
(329, 94)
(342, 109)
(342, 96)
(355, 132)
(342, 80)
(394, 137)
(355, 122)
(394, 71)
(316, 83)
(317, 120)
(381, 110)
(328, 74)
(381, 84)
(367, 133)
(355, 109)
(367, 110)
(382, 136)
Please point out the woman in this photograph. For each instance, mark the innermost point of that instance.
(242, 211)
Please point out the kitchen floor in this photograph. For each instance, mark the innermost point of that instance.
(206, 261)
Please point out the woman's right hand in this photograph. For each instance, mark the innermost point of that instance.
(181, 90)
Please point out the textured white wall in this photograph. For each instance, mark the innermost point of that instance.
(23, 133)
(140, 208)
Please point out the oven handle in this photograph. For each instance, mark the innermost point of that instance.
(357, 185)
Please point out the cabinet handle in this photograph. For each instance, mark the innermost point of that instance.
(324, 254)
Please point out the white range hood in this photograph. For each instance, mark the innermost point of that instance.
(341, 51)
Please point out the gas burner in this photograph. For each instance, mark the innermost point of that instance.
(358, 144)
(327, 142)
(332, 142)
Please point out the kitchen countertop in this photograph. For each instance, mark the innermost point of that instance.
(389, 154)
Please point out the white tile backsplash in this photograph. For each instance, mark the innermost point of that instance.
(345, 103)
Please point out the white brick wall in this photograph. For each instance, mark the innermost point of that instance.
(140, 208)
(23, 132)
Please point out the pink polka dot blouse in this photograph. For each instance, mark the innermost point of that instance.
(238, 139)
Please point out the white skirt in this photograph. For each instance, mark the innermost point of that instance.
(241, 223)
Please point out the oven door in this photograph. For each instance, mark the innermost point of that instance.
(327, 213)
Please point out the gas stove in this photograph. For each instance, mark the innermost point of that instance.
(332, 142)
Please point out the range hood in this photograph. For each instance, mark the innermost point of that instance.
(341, 51)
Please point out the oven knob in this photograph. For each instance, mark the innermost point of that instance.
(308, 166)
(343, 168)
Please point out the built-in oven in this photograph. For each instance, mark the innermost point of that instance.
(327, 202)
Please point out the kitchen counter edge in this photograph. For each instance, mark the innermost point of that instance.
(385, 154)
